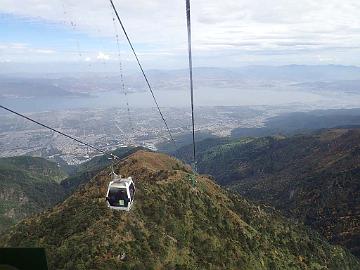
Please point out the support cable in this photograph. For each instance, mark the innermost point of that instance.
(143, 72)
(122, 81)
(61, 133)
(188, 17)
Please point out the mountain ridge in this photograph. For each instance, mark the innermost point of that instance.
(310, 177)
(171, 226)
(29, 185)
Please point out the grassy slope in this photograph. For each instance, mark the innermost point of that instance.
(85, 171)
(37, 167)
(172, 226)
(27, 185)
(314, 178)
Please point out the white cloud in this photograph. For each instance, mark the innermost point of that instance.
(44, 51)
(23, 48)
(5, 61)
(219, 27)
(17, 46)
(103, 56)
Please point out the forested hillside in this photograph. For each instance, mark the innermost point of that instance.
(30, 185)
(171, 226)
(314, 178)
(27, 185)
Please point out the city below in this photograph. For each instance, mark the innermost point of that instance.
(109, 129)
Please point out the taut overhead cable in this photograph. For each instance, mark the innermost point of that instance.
(143, 72)
(61, 133)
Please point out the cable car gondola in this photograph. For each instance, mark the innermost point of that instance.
(120, 193)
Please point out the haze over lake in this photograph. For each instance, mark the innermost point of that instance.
(203, 96)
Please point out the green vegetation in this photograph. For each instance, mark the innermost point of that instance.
(172, 226)
(100, 162)
(30, 185)
(36, 167)
(87, 170)
(302, 122)
(27, 185)
(182, 140)
(313, 178)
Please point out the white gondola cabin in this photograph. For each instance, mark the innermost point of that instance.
(120, 194)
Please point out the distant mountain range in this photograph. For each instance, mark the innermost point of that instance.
(313, 178)
(307, 78)
(350, 86)
(304, 73)
(284, 124)
(302, 122)
(30, 88)
(171, 226)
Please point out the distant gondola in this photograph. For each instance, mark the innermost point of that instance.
(120, 193)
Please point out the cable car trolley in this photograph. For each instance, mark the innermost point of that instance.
(120, 193)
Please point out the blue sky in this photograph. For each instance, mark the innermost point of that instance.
(225, 33)
(40, 37)
(22, 30)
